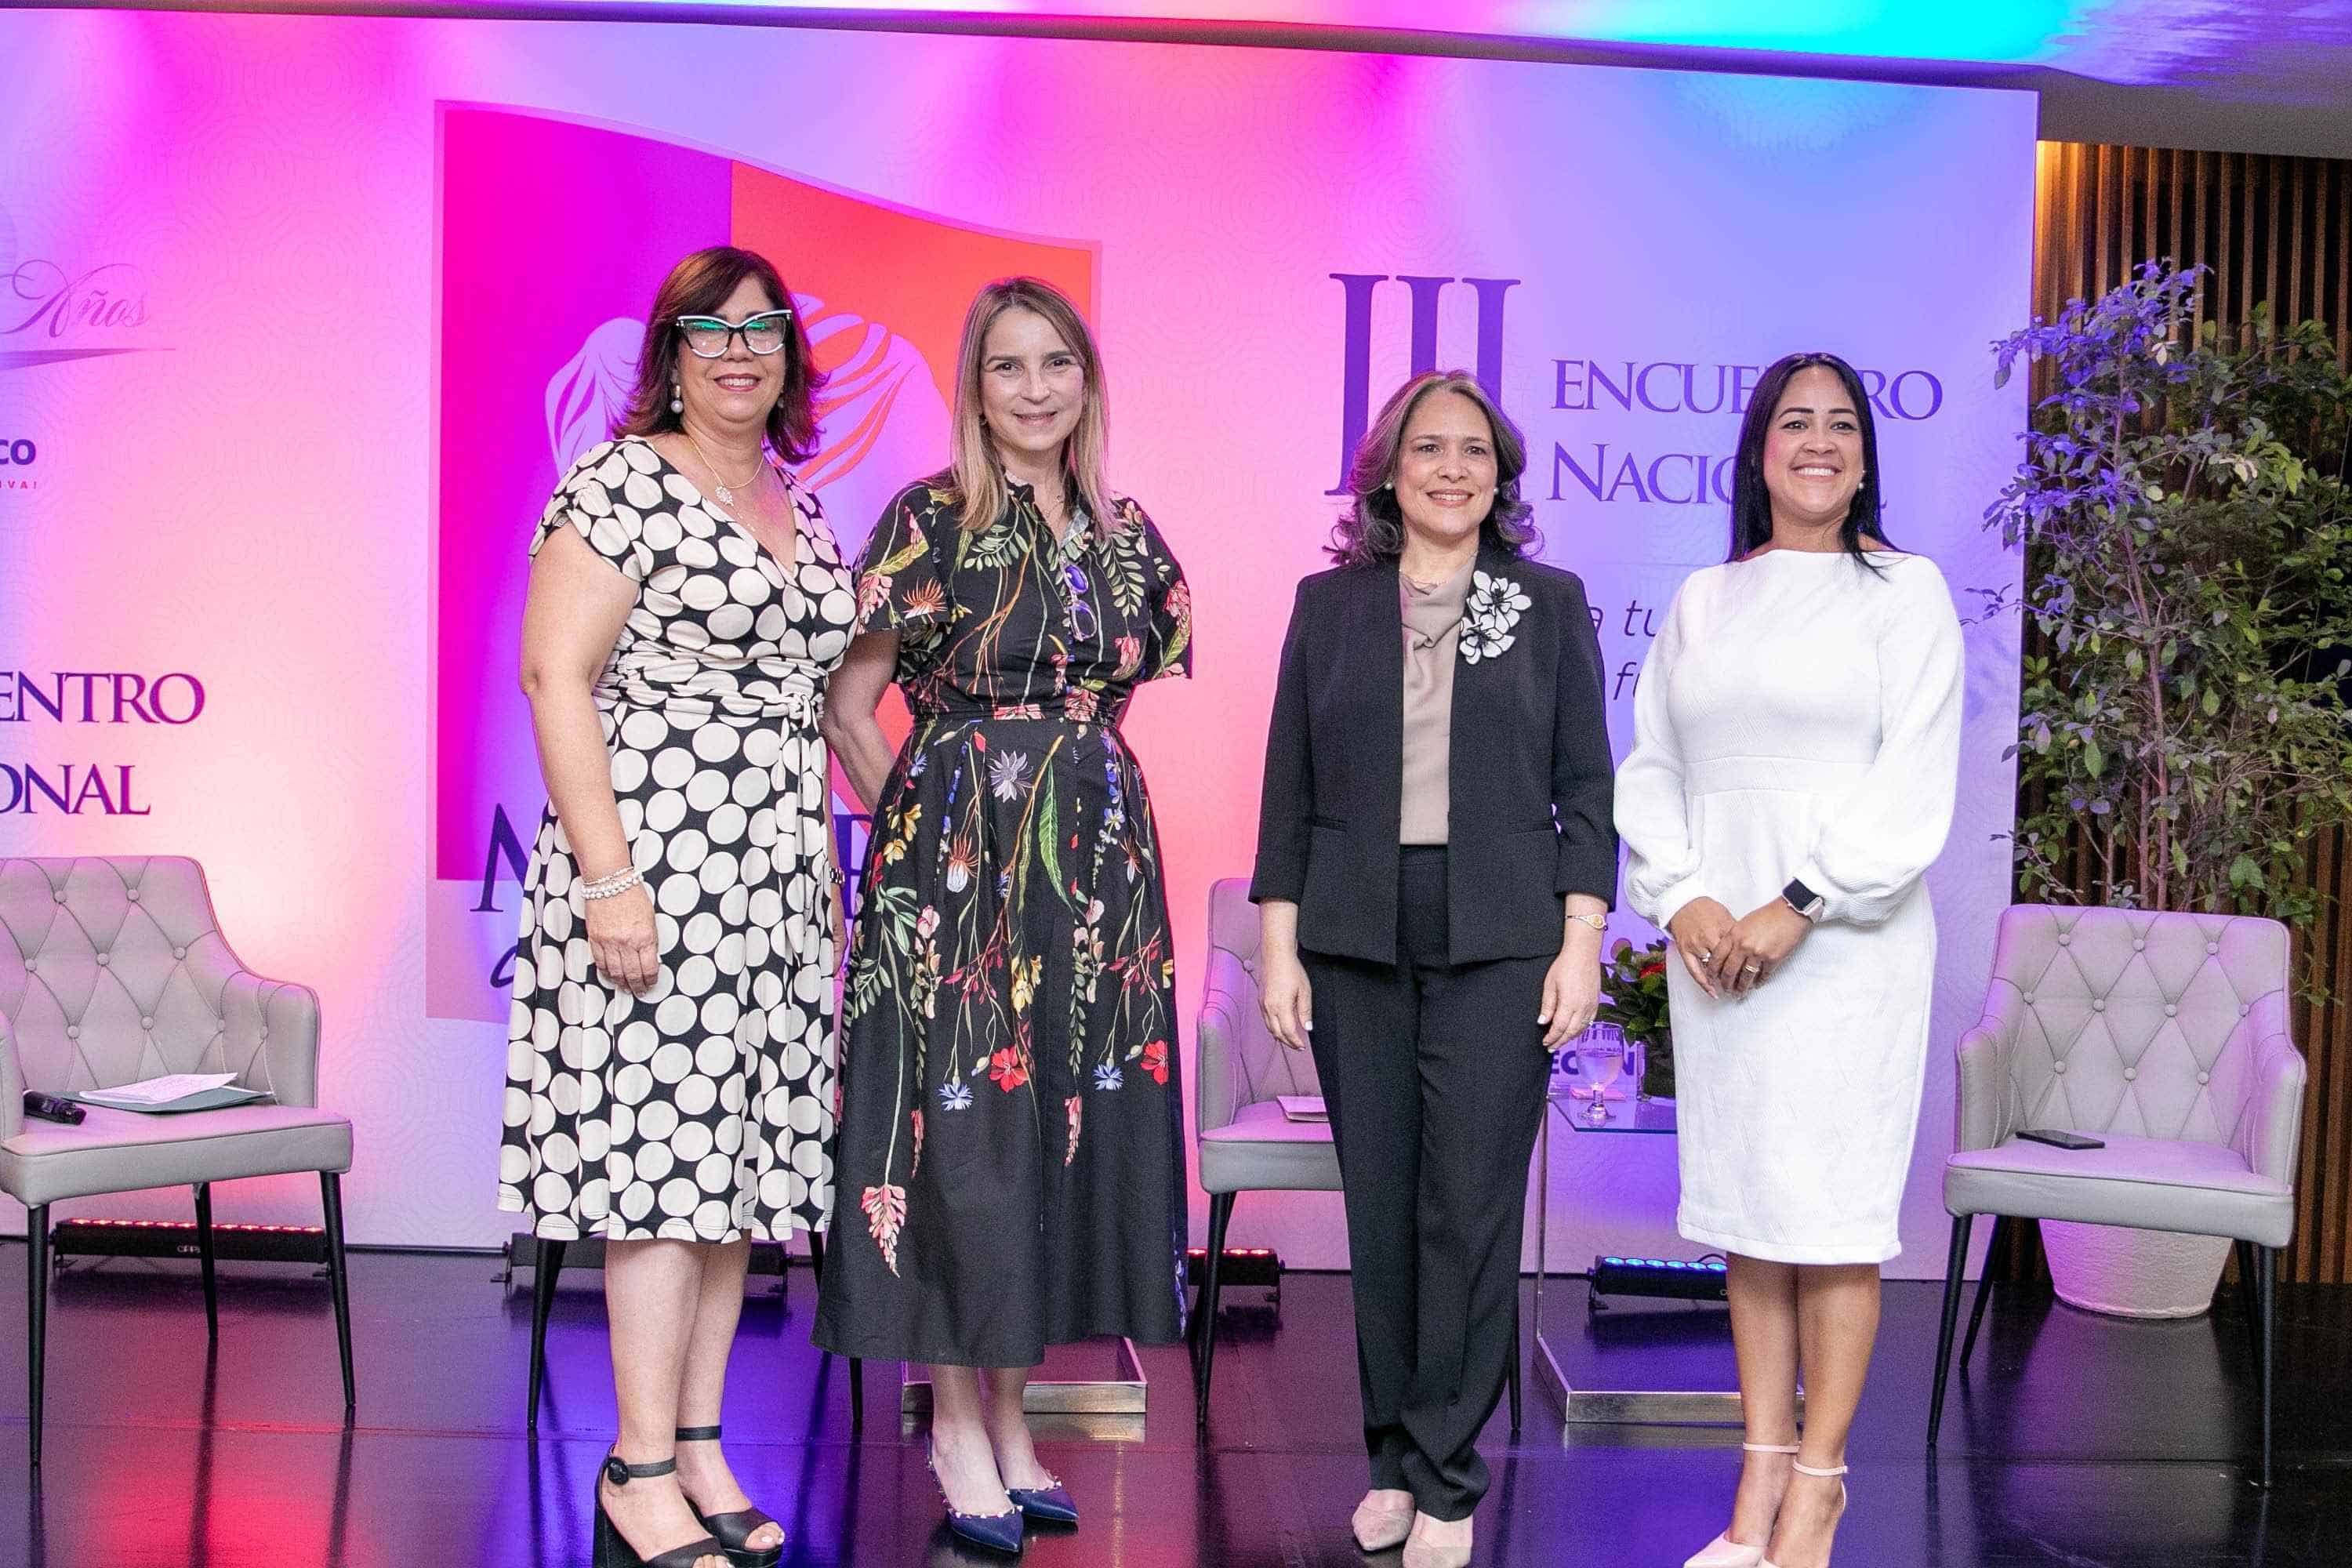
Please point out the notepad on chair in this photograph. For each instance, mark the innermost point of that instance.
(172, 1093)
(1302, 1107)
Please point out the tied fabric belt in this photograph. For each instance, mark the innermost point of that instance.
(802, 706)
(1080, 706)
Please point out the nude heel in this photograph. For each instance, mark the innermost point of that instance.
(1806, 1470)
(1724, 1553)
(1380, 1529)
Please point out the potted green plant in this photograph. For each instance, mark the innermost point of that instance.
(1633, 998)
(2187, 583)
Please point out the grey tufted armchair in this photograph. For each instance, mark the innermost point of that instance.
(1247, 1143)
(114, 970)
(2164, 1034)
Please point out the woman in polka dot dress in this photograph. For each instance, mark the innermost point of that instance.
(669, 1083)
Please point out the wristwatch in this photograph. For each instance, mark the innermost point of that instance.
(1802, 900)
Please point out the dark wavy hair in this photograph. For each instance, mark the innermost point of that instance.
(1751, 502)
(699, 286)
(1372, 530)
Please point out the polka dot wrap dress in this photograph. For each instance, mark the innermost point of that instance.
(703, 1110)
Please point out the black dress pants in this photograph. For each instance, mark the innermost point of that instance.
(1434, 1075)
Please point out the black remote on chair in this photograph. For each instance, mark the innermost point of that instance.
(52, 1107)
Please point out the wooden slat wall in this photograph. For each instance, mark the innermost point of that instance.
(2276, 229)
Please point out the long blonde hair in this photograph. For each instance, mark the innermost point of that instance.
(976, 474)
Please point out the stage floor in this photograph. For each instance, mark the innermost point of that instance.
(2074, 1440)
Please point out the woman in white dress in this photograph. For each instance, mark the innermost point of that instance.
(1796, 751)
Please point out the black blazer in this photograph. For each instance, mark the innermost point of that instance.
(1529, 784)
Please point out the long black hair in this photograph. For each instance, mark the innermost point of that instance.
(1751, 502)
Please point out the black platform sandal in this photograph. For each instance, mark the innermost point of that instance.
(733, 1530)
(613, 1549)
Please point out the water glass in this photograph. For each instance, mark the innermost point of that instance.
(1600, 1057)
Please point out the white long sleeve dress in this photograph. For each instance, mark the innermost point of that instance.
(1799, 716)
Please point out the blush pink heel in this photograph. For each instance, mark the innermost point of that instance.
(1805, 1469)
(1378, 1527)
(1724, 1553)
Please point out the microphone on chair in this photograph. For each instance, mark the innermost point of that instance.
(52, 1107)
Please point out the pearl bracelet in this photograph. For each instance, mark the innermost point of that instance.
(610, 887)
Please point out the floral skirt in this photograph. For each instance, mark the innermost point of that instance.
(1010, 1127)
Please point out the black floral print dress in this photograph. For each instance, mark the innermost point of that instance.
(1008, 1139)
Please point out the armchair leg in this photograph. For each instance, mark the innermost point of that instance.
(2266, 1278)
(204, 1257)
(1954, 1266)
(2249, 1301)
(1220, 1213)
(856, 1365)
(543, 1275)
(2001, 1232)
(37, 1312)
(331, 1200)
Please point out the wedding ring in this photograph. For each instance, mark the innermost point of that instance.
(1706, 958)
(1751, 968)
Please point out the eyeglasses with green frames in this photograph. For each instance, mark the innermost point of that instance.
(707, 336)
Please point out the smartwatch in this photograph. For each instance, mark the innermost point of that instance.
(1802, 900)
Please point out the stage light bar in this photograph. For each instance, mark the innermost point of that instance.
(1245, 1266)
(177, 1239)
(1661, 1276)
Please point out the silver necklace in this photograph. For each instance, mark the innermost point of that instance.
(725, 490)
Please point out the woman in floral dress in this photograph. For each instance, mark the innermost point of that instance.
(1009, 1126)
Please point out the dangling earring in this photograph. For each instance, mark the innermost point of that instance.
(677, 403)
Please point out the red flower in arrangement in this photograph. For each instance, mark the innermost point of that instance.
(1650, 969)
(1155, 1062)
(1008, 1069)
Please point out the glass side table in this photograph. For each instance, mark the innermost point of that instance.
(1636, 1117)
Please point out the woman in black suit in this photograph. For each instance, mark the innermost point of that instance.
(1435, 864)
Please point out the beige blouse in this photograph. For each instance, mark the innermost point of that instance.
(1432, 626)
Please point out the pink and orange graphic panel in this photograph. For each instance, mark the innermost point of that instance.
(555, 235)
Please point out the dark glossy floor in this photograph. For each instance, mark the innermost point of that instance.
(2076, 1441)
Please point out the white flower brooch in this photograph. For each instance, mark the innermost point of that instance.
(1487, 619)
